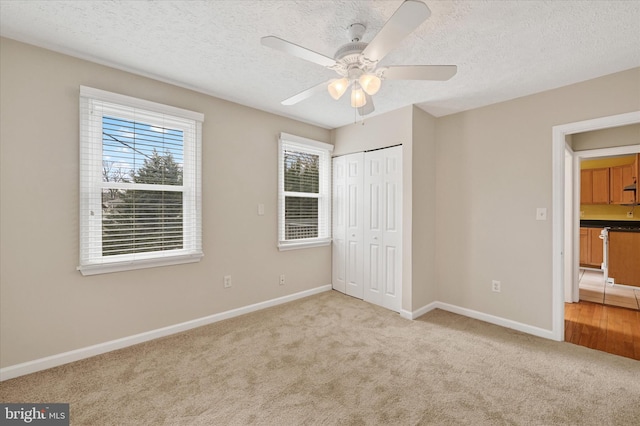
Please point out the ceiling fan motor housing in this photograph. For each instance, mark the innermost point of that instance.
(349, 60)
(350, 52)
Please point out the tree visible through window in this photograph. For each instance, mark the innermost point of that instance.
(135, 221)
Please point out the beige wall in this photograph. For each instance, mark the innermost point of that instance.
(493, 170)
(392, 128)
(606, 138)
(424, 209)
(46, 306)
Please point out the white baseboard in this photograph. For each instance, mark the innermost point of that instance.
(29, 367)
(503, 322)
(406, 314)
(418, 312)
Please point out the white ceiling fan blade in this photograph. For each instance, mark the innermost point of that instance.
(306, 93)
(299, 51)
(368, 108)
(403, 22)
(419, 72)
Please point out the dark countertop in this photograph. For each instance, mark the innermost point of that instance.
(615, 225)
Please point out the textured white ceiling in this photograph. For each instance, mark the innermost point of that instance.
(503, 49)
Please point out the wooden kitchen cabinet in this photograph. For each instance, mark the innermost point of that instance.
(620, 177)
(584, 246)
(586, 186)
(591, 248)
(596, 248)
(624, 258)
(594, 186)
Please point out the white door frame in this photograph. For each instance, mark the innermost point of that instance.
(569, 274)
(559, 134)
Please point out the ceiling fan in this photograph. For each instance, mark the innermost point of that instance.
(357, 62)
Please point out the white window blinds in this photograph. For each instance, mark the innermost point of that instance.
(140, 186)
(304, 197)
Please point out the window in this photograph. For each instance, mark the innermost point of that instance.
(304, 211)
(140, 187)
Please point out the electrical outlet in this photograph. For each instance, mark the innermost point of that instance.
(281, 279)
(227, 281)
(495, 286)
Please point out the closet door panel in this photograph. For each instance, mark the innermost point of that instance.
(391, 262)
(354, 167)
(372, 273)
(374, 225)
(392, 232)
(338, 221)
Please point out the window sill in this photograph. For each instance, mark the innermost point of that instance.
(284, 246)
(105, 268)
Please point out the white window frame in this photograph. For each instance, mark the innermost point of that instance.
(94, 104)
(323, 150)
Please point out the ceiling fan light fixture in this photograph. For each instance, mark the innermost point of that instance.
(358, 99)
(370, 83)
(356, 62)
(338, 87)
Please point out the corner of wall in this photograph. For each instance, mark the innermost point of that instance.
(423, 177)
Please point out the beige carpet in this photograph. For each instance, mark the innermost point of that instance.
(331, 359)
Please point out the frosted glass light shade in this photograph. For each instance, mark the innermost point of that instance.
(357, 98)
(370, 83)
(338, 87)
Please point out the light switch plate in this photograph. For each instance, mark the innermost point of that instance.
(541, 213)
(260, 209)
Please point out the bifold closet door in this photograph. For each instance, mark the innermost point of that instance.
(354, 168)
(339, 230)
(348, 228)
(383, 227)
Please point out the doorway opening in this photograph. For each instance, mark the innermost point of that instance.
(600, 315)
(567, 226)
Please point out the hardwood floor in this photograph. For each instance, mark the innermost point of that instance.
(602, 327)
(606, 318)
